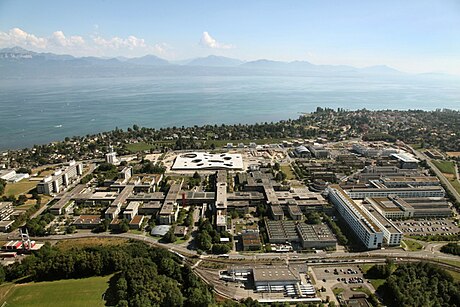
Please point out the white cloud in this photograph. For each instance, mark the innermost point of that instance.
(59, 39)
(77, 45)
(18, 37)
(116, 42)
(208, 41)
(162, 48)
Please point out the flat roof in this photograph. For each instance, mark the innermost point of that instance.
(382, 220)
(138, 219)
(205, 160)
(410, 179)
(275, 273)
(133, 205)
(404, 157)
(366, 221)
(160, 230)
(315, 233)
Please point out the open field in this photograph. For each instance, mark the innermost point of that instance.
(455, 184)
(453, 153)
(411, 245)
(20, 187)
(71, 292)
(288, 171)
(446, 167)
(455, 275)
(141, 146)
(89, 242)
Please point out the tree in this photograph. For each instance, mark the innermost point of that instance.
(124, 225)
(106, 167)
(313, 217)
(169, 237)
(220, 248)
(2, 186)
(204, 240)
(70, 229)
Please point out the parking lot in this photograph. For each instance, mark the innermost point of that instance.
(349, 278)
(345, 275)
(423, 227)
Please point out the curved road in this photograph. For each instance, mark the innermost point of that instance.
(430, 252)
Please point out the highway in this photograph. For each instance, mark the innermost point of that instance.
(439, 174)
(429, 253)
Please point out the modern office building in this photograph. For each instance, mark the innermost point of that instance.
(391, 234)
(111, 157)
(316, 236)
(359, 221)
(410, 181)
(394, 207)
(406, 192)
(204, 160)
(131, 210)
(318, 151)
(61, 179)
(250, 241)
(405, 160)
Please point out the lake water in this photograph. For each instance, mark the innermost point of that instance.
(40, 111)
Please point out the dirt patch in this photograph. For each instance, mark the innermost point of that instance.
(453, 153)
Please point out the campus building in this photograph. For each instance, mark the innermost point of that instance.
(204, 160)
(364, 227)
(394, 207)
(406, 192)
(61, 179)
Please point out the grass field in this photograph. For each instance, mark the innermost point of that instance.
(71, 292)
(411, 245)
(446, 167)
(141, 146)
(20, 187)
(288, 171)
(454, 274)
(89, 242)
(455, 184)
(376, 283)
(416, 146)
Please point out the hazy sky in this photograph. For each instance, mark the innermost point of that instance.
(410, 35)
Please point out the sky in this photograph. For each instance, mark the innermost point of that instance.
(412, 35)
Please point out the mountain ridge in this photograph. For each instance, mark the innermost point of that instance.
(18, 54)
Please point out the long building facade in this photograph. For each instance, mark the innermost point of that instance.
(61, 179)
(373, 229)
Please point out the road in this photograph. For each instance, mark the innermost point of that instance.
(430, 251)
(438, 173)
(91, 169)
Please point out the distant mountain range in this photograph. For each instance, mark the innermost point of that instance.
(19, 62)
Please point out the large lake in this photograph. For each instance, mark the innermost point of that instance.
(40, 111)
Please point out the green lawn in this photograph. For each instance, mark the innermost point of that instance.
(141, 146)
(411, 245)
(337, 291)
(20, 187)
(456, 185)
(376, 283)
(446, 167)
(288, 171)
(454, 274)
(71, 292)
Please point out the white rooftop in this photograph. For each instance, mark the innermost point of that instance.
(204, 160)
(405, 157)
